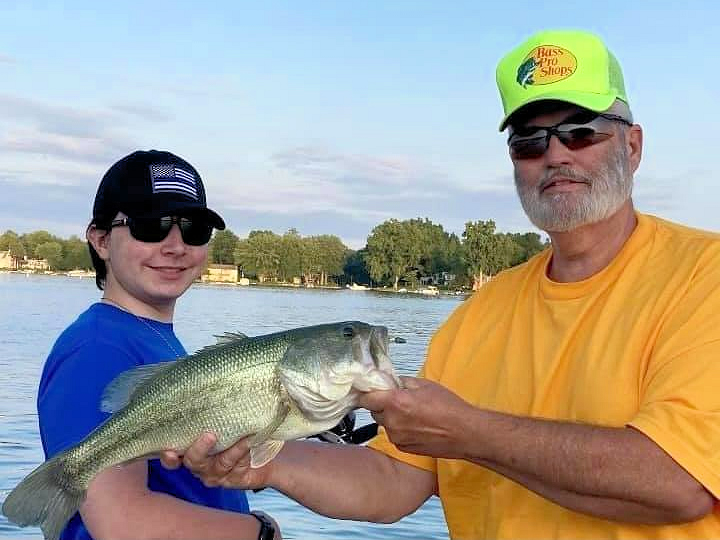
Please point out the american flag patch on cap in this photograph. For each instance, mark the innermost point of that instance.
(168, 178)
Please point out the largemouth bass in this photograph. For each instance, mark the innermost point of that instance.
(277, 387)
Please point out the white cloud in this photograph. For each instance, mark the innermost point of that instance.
(322, 164)
(145, 112)
(52, 118)
(100, 149)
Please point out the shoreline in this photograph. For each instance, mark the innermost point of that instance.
(82, 274)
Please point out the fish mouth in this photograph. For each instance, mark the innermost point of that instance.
(378, 372)
(379, 344)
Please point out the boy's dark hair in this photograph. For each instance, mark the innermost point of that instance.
(97, 262)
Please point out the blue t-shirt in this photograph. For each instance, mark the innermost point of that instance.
(103, 342)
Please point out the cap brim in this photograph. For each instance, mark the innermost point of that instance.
(212, 216)
(215, 219)
(594, 102)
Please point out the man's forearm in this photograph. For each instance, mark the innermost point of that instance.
(614, 473)
(349, 482)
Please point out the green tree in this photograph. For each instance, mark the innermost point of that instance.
(486, 252)
(76, 255)
(391, 252)
(355, 268)
(529, 244)
(410, 250)
(34, 239)
(50, 251)
(453, 260)
(258, 254)
(438, 249)
(10, 241)
(311, 259)
(333, 254)
(291, 255)
(505, 250)
(222, 247)
(7, 238)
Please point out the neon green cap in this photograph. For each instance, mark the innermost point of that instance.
(564, 65)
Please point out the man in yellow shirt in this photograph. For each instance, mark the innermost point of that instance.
(574, 396)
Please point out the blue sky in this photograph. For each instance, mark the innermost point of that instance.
(329, 117)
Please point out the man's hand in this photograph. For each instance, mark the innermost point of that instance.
(229, 468)
(422, 418)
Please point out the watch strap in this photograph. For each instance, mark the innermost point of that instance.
(267, 528)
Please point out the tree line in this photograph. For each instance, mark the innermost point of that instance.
(60, 254)
(397, 253)
(409, 252)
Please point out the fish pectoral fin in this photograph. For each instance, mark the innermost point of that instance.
(266, 433)
(264, 452)
(262, 447)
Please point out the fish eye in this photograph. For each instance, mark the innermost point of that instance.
(348, 331)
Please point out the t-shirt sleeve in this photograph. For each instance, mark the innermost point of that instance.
(680, 408)
(438, 350)
(69, 400)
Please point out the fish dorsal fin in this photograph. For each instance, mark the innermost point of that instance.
(119, 391)
(224, 339)
(229, 337)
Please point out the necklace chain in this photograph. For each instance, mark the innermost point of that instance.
(107, 300)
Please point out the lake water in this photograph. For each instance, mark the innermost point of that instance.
(35, 309)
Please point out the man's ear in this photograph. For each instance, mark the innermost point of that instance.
(635, 146)
(100, 240)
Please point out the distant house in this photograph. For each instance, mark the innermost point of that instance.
(221, 273)
(38, 265)
(442, 279)
(7, 261)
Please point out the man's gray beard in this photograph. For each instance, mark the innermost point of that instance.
(608, 189)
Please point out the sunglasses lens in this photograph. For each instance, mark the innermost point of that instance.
(528, 148)
(576, 139)
(195, 232)
(149, 229)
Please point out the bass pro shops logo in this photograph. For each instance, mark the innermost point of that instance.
(546, 64)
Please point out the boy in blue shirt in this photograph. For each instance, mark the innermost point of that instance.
(148, 240)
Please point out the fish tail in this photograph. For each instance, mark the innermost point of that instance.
(44, 498)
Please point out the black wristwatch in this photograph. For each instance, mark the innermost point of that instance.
(267, 529)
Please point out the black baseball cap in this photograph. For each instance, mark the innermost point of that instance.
(152, 183)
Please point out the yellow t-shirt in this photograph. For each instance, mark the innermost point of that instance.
(636, 344)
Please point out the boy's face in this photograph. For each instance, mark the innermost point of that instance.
(153, 273)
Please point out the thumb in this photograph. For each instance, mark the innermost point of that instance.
(375, 400)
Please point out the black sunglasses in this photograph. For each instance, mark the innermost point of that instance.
(578, 131)
(194, 232)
